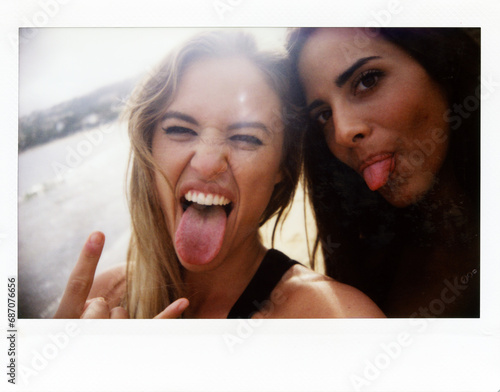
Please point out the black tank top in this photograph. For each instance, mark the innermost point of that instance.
(271, 270)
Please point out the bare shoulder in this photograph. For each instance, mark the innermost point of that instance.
(111, 285)
(303, 293)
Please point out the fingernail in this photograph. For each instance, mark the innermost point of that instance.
(96, 238)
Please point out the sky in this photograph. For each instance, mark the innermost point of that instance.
(57, 64)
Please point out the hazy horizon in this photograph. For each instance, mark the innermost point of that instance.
(59, 64)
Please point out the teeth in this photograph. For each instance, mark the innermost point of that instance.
(207, 200)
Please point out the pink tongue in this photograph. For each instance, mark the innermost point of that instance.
(376, 175)
(200, 234)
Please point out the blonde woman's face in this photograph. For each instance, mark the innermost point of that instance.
(219, 148)
(380, 111)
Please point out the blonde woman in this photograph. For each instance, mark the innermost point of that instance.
(215, 153)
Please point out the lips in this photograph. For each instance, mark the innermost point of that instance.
(377, 169)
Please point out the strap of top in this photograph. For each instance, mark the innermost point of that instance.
(271, 270)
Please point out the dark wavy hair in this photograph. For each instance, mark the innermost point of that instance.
(355, 223)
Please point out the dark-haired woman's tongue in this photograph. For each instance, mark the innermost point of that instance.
(200, 234)
(377, 174)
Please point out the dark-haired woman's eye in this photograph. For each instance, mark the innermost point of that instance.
(366, 81)
(323, 116)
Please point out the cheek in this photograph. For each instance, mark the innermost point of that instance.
(418, 113)
(270, 160)
(169, 169)
(277, 162)
(428, 134)
(170, 160)
(438, 156)
(257, 178)
(261, 172)
(401, 114)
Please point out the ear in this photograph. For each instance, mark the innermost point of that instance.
(279, 176)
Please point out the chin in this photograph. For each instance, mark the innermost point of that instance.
(401, 198)
(403, 192)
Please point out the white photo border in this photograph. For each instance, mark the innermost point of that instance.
(278, 355)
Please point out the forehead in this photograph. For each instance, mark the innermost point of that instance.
(328, 52)
(228, 82)
(345, 45)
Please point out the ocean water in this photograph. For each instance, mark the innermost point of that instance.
(67, 189)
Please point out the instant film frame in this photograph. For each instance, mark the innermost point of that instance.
(424, 354)
(75, 84)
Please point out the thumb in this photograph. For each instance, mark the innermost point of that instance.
(174, 310)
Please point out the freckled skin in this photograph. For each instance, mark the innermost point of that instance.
(398, 109)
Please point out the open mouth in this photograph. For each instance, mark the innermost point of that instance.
(377, 170)
(203, 201)
(201, 231)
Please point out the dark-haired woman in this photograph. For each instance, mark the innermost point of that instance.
(392, 162)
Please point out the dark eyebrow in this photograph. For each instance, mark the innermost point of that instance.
(342, 79)
(180, 116)
(248, 124)
(344, 76)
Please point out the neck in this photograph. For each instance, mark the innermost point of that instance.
(438, 243)
(448, 210)
(213, 293)
(443, 229)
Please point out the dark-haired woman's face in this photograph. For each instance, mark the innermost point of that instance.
(381, 113)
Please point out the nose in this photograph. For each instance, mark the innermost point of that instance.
(350, 126)
(210, 157)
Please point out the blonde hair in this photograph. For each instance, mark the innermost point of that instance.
(154, 276)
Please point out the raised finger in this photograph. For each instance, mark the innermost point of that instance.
(81, 278)
(174, 310)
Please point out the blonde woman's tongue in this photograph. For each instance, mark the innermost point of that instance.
(200, 233)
